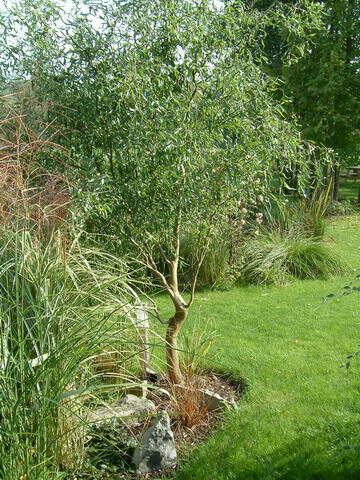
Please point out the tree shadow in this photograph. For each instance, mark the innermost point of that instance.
(325, 456)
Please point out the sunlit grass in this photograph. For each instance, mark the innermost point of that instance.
(302, 409)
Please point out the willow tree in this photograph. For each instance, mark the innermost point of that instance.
(168, 100)
(196, 132)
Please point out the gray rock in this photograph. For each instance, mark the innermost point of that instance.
(214, 401)
(129, 410)
(157, 447)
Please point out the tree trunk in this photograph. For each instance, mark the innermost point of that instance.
(172, 354)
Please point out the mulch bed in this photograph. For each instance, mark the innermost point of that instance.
(190, 422)
(203, 421)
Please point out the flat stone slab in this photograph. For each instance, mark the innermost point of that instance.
(214, 401)
(129, 410)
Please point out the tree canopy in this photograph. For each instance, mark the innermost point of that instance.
(169, 118)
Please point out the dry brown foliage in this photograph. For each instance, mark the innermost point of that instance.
(188, 402)
(29, 195)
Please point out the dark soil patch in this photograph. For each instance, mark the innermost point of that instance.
(180, 406)
(191, 423)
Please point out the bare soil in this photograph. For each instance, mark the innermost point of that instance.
(191, 423)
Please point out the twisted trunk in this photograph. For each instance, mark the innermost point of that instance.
(172, 354)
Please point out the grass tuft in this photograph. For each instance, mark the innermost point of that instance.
(277, 258)
(59, 307)
(215, 261)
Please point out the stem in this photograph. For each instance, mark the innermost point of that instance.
(174, 264)
(111, 161)
(172, 354)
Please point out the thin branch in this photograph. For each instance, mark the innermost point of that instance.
(193, 93)
(161, 250)
(176, 244)
(155, 311)
(162, 253)
(201, 260)
(151, 265)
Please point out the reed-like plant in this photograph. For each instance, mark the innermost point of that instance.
(60, 307)
(274, 257)
(303, 217)
(196, 344)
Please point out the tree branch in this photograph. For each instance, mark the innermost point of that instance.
(174, 264)
(201, 260)
(151, 265)
(154, 311)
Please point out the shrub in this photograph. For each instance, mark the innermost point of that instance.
(276, 258)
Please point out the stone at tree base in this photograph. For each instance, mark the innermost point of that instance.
(129, 410)
(157, 448)
(214, 401)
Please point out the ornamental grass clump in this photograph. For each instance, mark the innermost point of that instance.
(59, 307)
(188, 402)
(299, 217)
(215, 262)
(278, 258)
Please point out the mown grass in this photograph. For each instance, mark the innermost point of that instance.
(349, 189)
(301, 411)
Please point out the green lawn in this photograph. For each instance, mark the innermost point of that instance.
(349, 189)
(301, 408)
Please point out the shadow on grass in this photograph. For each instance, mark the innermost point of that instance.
(306, 458)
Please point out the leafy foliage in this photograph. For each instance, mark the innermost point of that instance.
(319, 67)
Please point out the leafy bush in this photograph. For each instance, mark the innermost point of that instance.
(276, 258)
